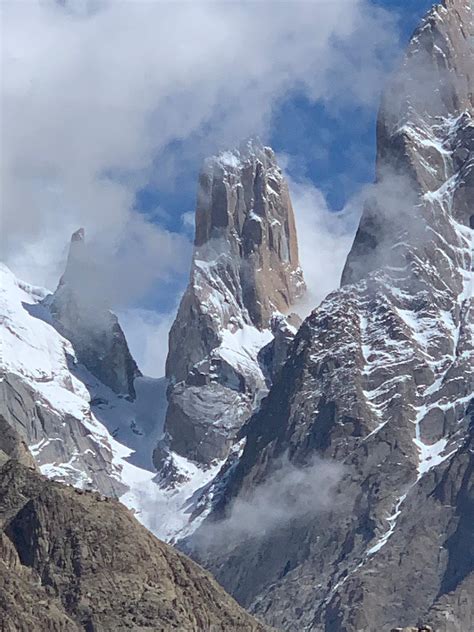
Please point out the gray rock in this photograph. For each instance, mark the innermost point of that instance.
(92, 329)
(57, 439)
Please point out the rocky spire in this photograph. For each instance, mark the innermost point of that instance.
(245, 268)
(82, 316)
(76, 257)
(245, 265)
(426, 113)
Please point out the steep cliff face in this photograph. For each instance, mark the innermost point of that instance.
(92, 329)
(78, 429)
(245, 269)
(75, 561)
(380, 379)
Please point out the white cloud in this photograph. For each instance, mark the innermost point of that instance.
(287, 494)
(101, 87)
(147, 337)
(324, 239)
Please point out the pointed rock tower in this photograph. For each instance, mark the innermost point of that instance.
(245, 270)
(82, 316)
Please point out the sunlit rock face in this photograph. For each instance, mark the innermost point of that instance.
(245, 269)
(379, 378)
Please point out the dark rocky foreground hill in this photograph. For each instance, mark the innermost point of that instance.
(74, 561)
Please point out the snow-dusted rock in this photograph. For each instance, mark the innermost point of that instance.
(93, 330)
(78, 430)
(245, 269)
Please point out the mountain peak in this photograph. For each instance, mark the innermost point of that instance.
(76, 260)
(245, 269)
(235, 158)
(78, 235)
(425, 119)
(83, 317)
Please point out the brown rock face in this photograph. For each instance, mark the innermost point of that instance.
(73, 561)
(244, 199)
(245, 268)
(245, 265)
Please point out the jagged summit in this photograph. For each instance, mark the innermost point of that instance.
(244, 213)
(76, 255)
(82, 316)
(425, 119)
(245, 265)
(245, 269)
(247, 150)
(78, 235)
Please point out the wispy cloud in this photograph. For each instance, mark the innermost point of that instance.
(147, 336)
(287, 494)
(324, 237)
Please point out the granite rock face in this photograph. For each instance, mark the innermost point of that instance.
(76, 561)
(380, 379)
(61, 443)
(245, 269)
(92, 329)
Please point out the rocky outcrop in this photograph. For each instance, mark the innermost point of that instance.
(379, 378)
(76, 561)
(81, 316)
(12, 446)
(62, 444)
(245, 269)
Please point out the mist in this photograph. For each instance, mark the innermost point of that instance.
(288, 493)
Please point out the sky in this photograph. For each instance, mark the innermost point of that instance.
(108, 109)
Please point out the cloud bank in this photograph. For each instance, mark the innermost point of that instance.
(324, 239)
(95, 93)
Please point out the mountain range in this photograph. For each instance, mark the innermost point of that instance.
(319, 466)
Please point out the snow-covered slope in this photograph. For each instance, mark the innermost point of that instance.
(42, 380)
(80, 431)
